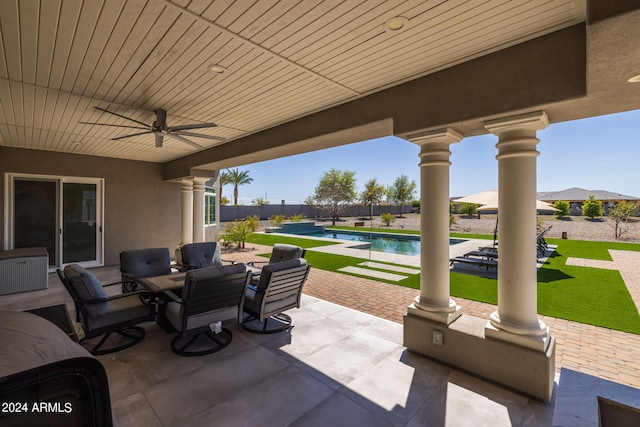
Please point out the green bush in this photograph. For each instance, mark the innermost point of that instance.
(297, 218)
(387, 219)
(276, 220)
(592, 208)
(468, 208)
(239, 230)
(563, 208)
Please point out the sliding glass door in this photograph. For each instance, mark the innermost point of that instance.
(35, 215)
(63, 214)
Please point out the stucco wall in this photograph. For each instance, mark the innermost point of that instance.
(140, 209)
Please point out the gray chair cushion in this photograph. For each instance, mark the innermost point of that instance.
(149, 262)
(283, 252)
(122, 310)
(87, 287)
(201, 255)
(173, 314)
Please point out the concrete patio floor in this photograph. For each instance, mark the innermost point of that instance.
(343, 363)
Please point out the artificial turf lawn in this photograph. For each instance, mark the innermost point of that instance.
(587, 295)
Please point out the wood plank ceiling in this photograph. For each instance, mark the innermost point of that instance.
(283, 59)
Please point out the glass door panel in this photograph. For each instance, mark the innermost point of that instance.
(79, 222)
(35, 222)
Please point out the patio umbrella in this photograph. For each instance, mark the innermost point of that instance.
(489, 202)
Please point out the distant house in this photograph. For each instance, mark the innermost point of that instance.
(576, 196)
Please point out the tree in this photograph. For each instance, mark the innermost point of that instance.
(402, 191)
(621, 214)
(372, 194)
(592, 208)
(334, 192)
(225, 179)
(468, 208)
(563, 208)
(237, 178)
(259, 201)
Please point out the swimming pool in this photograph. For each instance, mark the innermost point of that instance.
(404, 244)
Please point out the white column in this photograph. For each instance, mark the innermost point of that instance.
(517, 320)
(434, 301)
(187, 211)
(198, 209)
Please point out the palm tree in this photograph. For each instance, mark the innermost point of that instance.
(237, 178)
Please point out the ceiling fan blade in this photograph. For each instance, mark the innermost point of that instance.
(129, 136)
(159, 139)
(146, 126)
(118, 126)
(185, 140)
(199, 135)
(193, 126)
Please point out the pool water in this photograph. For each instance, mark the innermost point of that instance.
(381, 242)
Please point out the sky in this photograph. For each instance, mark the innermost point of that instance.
(600, 153)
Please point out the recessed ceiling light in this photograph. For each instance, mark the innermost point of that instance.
(396, 23)
(634, 79)
(218, 69)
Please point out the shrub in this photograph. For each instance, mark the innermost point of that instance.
(468, 208)
(563, 208)
(387, 219)
(276, 220)
(297, 218)
(452, 220)
(239, 231)
(592, 208)
(415, 203)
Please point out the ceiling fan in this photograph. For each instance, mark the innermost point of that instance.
(160, 129)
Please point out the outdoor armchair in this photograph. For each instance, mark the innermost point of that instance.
(201, 255)
(280, 252)
(140, 263)
(100, 314)
(210, 297)
(279, 289)
(283, 252)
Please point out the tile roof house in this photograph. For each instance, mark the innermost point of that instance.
(576, 196)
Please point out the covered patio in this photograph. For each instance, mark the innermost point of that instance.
(281, 79)
(344, 363)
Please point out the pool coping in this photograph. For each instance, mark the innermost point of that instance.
(347, 248)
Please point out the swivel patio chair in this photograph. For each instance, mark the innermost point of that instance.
(140, 263)
(210, 297)
(100, 314)
(201, 255)
(280, 252)
(283, 252)
(279, 289)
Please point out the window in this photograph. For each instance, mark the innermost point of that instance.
(209, 206)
